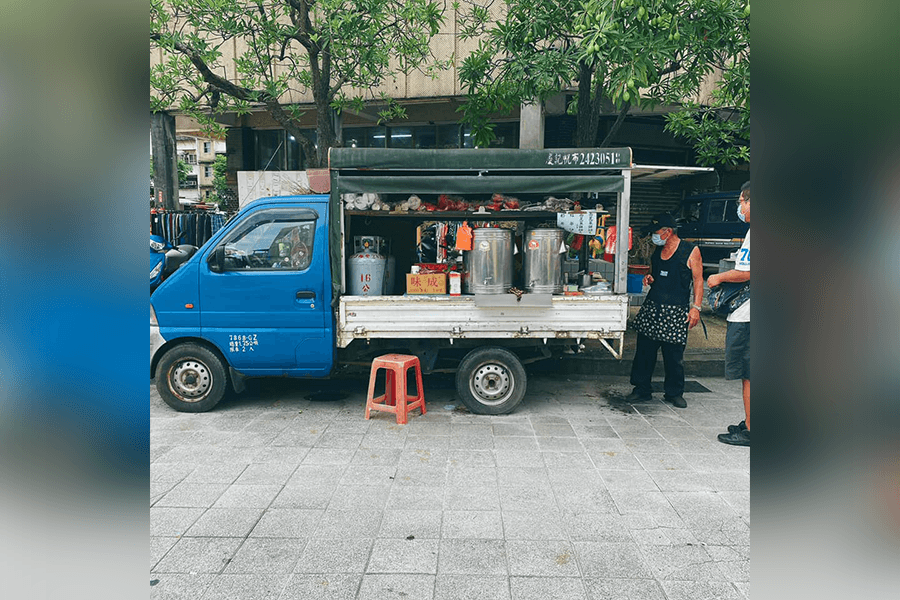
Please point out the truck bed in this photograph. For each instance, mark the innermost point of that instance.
(467, 317)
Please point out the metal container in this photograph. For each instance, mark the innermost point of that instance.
(489, 265)
(366, 274)
(543, 263)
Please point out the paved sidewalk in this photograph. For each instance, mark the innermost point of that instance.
(576, 495)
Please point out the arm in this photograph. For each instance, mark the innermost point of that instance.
(732, 276)
(695, 263)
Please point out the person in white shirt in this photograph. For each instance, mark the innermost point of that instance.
(737, 337)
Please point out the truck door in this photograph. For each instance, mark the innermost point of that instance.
(265, 305)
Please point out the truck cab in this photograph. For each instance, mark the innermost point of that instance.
(255, 300)
(710, 222)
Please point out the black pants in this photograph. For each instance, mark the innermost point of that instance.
(645, 361)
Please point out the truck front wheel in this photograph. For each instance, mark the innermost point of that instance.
(191, 378)
(491, 381)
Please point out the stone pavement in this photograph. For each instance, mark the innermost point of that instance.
(576, 495)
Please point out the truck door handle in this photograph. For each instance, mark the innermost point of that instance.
(306, 295)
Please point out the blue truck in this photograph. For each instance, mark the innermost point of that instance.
(710, 222)
(267, 295)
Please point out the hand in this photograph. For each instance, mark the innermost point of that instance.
(713, 280)
(693, 318)
(648, 279)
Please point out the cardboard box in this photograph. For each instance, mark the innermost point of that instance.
(431, 283)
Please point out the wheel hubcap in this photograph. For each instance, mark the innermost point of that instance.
(191, 380)
(492, 384)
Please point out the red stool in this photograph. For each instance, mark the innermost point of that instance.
(395, 400)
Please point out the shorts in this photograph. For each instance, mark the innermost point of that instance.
(737, 351)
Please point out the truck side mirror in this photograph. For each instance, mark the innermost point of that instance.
(217, 259)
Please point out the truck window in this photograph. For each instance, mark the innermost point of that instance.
(722, 211)
(276, 239)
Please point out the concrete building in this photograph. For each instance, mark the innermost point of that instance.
(200, 153)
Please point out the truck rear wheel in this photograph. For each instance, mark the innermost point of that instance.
(191, 378)
(491, 381)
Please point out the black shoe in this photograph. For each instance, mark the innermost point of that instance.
(742, 426)
(637, 396)
(677, 401)
(740, 438)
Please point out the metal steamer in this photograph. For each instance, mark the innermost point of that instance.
(543, 261)
(489, 265)
(366, 267)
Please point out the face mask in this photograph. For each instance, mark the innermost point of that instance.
(656, 239)
(741, 215)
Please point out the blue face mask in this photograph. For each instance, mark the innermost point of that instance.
(656, 239)
(741, 215)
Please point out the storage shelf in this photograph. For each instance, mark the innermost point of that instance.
(450, 215)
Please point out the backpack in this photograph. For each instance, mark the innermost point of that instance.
(726, 297)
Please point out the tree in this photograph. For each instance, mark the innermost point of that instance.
(325, 47)
(221, 191)
(619, 53)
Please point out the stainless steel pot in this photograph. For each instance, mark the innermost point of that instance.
(489, 265)
(543, 261)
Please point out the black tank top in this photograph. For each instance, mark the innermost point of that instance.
(671, 278)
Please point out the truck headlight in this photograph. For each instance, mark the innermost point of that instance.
(155, 270)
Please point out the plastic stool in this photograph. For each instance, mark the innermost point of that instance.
(395, 399)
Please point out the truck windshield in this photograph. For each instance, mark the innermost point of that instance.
(271, 240)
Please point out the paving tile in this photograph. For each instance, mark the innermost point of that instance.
(533, 525)
(546, 588)
(158, 548)
(629, 480)
(420, 524)
(380, 457)
(483, 476)
(553, 429)
(559, 444)
(662, 462)
(602, 559)
(287, 523)
(171, 471)
(623, 589)
(192, 495)
(705, 510)
(416, 497)
(227, 473)
(545, 558)
(368, 475)
(518, 457)
(371, 497)
(472, 557)
(225, 522)
(664, 536)
(597, 527)
(587, 498)
(513, 476)
(527, 498)
(279, 454)
(472, 524)
(248, 496)
(523, 429)
(465, 497)
(567, 460)
(733, 561)
(172, 521)
(614, 460)
(199, 555)
(330, 586)
(266, 473)
(266, 555)
(304, 496)
(421, 475)
(688, 562)
(595, 431)
(700, 590)
(178, 586)
(397, 587)
(471, 458)
(329, 456)
(349, 524)
(246, 587)
(404, 556)
(334, 555)
(469, 587)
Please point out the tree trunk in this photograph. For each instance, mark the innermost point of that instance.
(165, 161)
(584, 135)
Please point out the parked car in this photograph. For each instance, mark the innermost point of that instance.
(710, 222)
